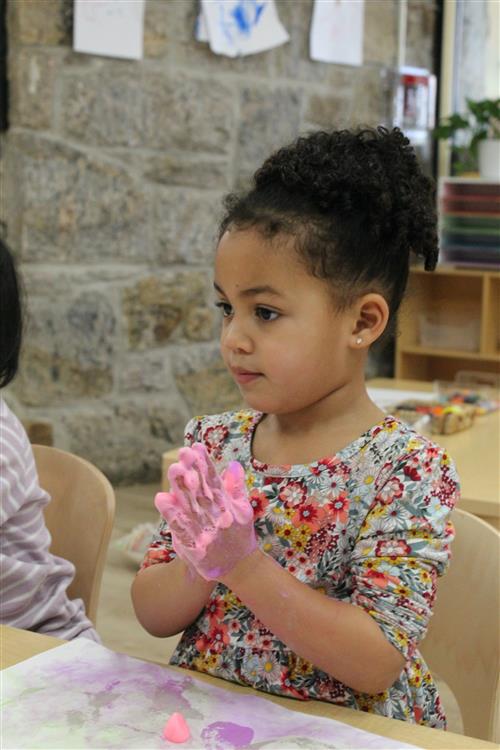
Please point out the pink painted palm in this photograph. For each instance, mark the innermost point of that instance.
(210, 516)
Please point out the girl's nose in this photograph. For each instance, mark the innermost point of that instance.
(235, 338)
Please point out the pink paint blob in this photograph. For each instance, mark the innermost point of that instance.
(176, 729)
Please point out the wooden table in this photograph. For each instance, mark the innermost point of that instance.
(17, 645)
(476, 453)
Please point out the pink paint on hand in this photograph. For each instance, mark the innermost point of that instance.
(210, 516)
(176, 729)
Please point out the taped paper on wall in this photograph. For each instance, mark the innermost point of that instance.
(240, 27)
(337, 31)
(113, 28)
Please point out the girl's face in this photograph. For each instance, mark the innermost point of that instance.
(282, 340)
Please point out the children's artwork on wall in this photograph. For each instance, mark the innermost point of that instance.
(82, 695)
(240, 27)
(337, 31)
(113, 28)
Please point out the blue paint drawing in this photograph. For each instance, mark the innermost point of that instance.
(247, 14)
(240, 27)
(241, 20)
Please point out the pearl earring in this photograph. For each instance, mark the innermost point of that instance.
(359, 340)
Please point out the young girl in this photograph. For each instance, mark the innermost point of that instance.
(33, 595)
(315, 576)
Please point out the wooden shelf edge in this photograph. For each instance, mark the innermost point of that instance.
(454, 270)
(449, 353)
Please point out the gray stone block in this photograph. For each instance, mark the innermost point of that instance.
(32, 79)
(144, 372)
(187, 170)
(36, 22)
(104, 107)
(185, 225)
(69, 349)
(54, 281)
(269, 118)
(189, 113)
(172, 307)
(156, 28)
(371, 100)
(75, 206)
(203, 380)
(381, 32)
(327, 111)
(126, 439)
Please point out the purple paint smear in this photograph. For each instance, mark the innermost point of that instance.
(225, 735)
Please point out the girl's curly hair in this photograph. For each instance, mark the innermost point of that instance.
(356, 202)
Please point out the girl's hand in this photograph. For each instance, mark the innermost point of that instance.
(210, 517)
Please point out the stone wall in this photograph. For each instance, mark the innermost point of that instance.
(113, 172)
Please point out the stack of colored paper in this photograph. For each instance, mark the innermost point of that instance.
(470, 221)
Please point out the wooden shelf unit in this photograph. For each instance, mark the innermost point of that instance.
(449, 288)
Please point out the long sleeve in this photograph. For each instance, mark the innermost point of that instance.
(33, 581)
(404, 545)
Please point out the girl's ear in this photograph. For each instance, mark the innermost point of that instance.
(371, 316)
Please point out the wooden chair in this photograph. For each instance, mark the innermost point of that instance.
(462, 644)
(79, 518)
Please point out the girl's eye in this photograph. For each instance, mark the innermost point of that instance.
(264, 313)
(225, 308)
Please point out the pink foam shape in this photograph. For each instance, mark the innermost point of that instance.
(176, 729)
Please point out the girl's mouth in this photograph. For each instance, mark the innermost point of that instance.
(244, 376)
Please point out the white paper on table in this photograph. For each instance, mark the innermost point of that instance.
(242, 27)
(385, 398)
(113, 28)
(84, 695)
(337, 31)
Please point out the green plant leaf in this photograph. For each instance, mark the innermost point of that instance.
(482, 121)
(449, 126)
(476, 138)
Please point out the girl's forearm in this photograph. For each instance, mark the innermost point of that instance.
(338, 637)
(167, 597)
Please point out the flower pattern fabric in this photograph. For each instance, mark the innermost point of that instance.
(368, 525)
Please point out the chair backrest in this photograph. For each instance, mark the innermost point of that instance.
(79, 518)
(462, 644)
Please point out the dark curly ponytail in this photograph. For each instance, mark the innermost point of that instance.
(356, 202)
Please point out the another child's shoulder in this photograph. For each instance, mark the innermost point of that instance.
(216, 430)
(13, 436)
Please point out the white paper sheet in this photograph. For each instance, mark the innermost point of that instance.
(113, 28)
(240, 27)
(82, 695)
(337, 31)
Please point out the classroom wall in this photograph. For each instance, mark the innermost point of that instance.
(113, 173)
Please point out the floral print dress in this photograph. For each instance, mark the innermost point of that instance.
(368, 525)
